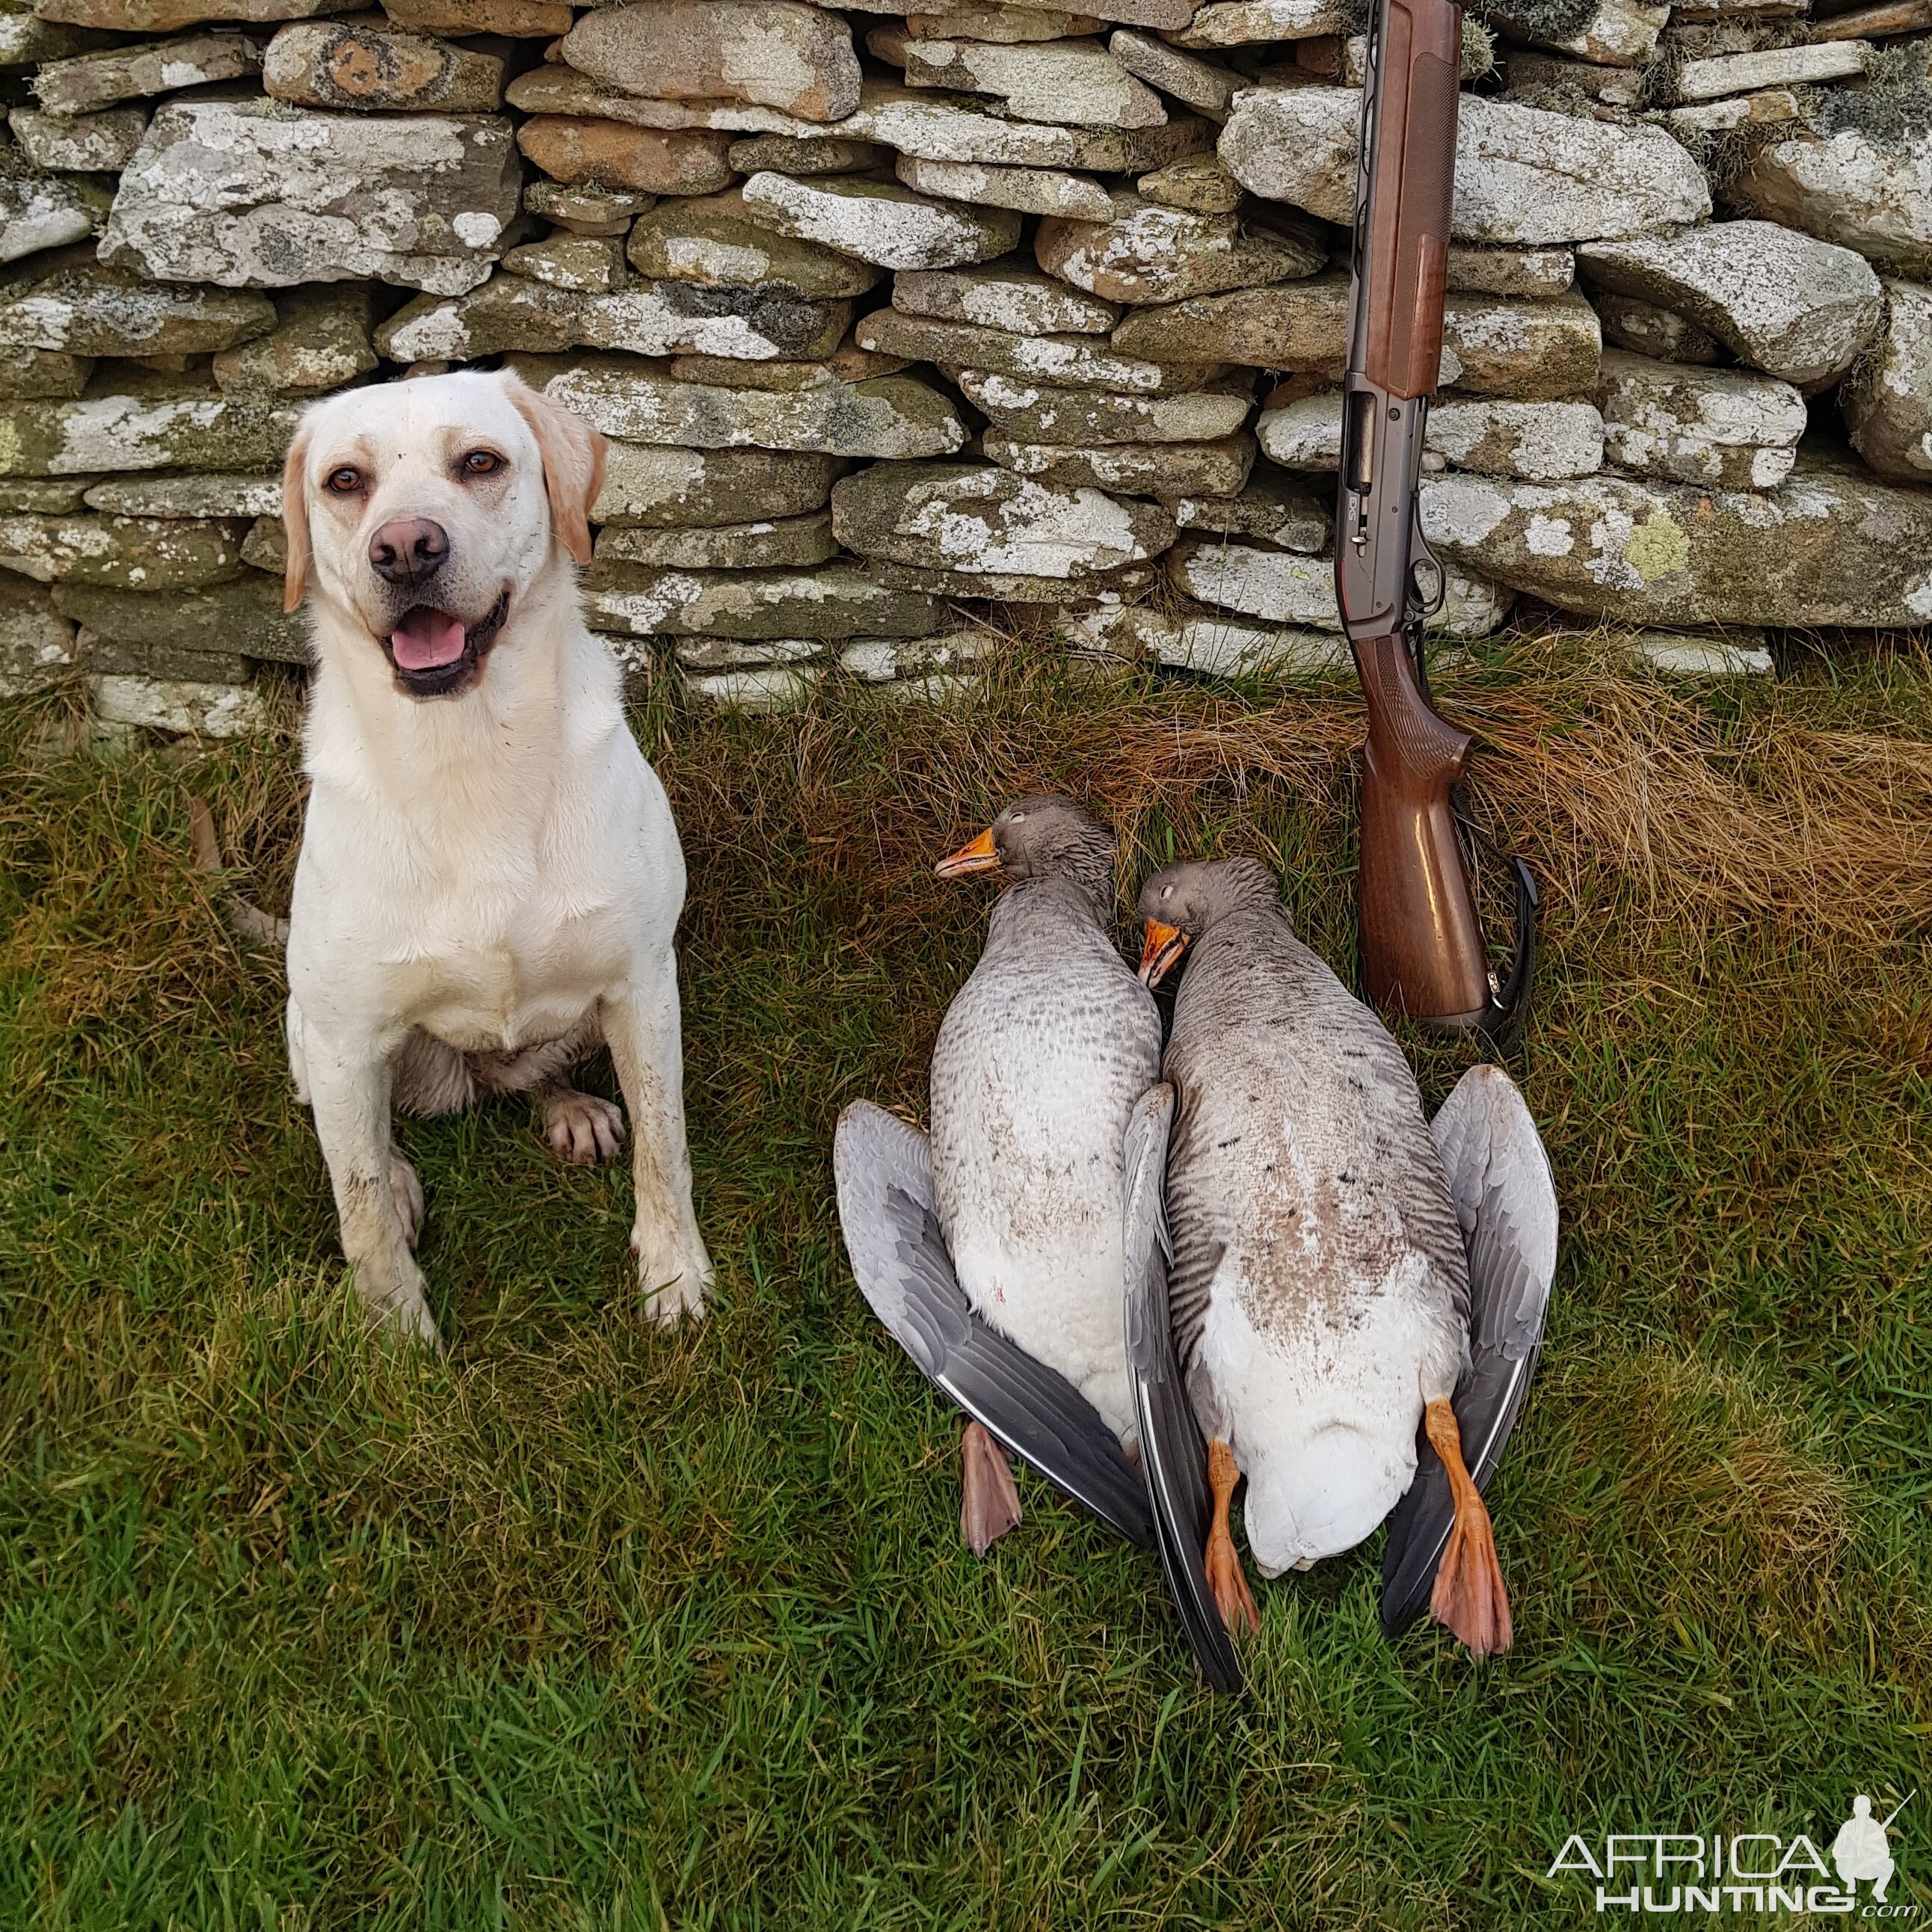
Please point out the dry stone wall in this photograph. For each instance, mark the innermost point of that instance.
(896, 319)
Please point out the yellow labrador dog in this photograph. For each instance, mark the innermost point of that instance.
(489, 877)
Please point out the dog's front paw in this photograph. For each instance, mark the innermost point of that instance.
(582, 1128)
(395, 1298)
(674, 1273)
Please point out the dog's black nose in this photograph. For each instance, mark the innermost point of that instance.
(410, 550)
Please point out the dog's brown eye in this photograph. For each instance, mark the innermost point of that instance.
(346, 480)
(481, 463)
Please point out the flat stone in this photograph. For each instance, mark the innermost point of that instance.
(266, 546)
(894, 417)
(1673, 653)
(514, 313)
(1217, 469)
(1001, 294)
(1771, 67)
(1068, 360)
(781, 155)
(797, 59)
(1615, 86)
(1149, 254)
(183, 708)
(835, 600)
(659, 487)
(1524, 176)
(608, 153)
(1211, 646)
(1007, 25)
(767, 688)
(1070, 83)
(1202, 185)
(880, 222)
(1535, 351)
(25, 40)
(106, 657)
(769, 544)
(1727, 426)
(32, 375)
(1208, 88)
(46, 496)
(513, 20)
(82, 309)
(37, 644)
(195, 429)
(1530, 274)
(1785, 303)
(320, 342)
(847, 363)
(880, 660)
(1744, 110)
(169, 16)
(1872, 196)
(354, 65)
(582, 209)
(1830, 547)
(1281, 511)
(1619, 33)
(254, 193)
(1644, 329)
(101, 143)
(589, 264)
(1026, 191)
(126, 552)
(90, 82)
(40, 211)
(732, 654)
(1237, 23)
(715, 243)
(243, 615)
(975, 520)
(552, 89)
(210, 495)
(1030, 412)
(1496, 437)
(1887, 407)
(1285, 588)
(1013, 586)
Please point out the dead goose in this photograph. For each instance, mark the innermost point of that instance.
(1339, 1271)
(994, 1254)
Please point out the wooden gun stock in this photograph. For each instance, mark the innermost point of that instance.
(1423, 950)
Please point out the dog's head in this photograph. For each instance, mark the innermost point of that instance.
(427, 511)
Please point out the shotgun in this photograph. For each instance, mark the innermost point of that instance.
(1422, 945)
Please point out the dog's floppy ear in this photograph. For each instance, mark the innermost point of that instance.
(294, 518)
(573, 463)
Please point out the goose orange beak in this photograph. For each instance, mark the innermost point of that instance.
(1163, 946)
(979, 856)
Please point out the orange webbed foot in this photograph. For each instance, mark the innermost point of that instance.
(1221, 1564)
(1469, 1598)
(989, 1501)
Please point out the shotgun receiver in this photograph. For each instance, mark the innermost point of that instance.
(1423, 949)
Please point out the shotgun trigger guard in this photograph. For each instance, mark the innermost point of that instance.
(1423, 562)
(1501, 1024)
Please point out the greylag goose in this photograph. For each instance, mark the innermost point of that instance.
(994, 1252)
(1314, 1269)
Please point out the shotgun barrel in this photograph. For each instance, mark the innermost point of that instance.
(1422, 945)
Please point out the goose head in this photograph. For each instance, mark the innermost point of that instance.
(1042, 836)
(1182, 902)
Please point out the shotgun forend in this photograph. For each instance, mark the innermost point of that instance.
(1423, 950)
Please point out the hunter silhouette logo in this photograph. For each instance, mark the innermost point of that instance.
(1862, 1850)
(1760, 1872)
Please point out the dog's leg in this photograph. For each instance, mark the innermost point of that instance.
(349, 1090)
(582, 1128)
(640, 1026)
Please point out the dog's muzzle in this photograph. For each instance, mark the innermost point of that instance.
(435, 655)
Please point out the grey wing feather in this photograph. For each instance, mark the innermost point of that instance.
(1173, 1456)
(1505, 1199)
(887, 1211)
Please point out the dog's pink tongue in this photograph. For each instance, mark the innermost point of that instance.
(427, 641)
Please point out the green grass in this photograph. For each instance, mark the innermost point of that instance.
(590, 1627)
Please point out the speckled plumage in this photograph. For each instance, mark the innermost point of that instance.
(1320, 1286)
(1039, 1062)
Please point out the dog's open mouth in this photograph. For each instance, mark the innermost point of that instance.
(435, 655)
